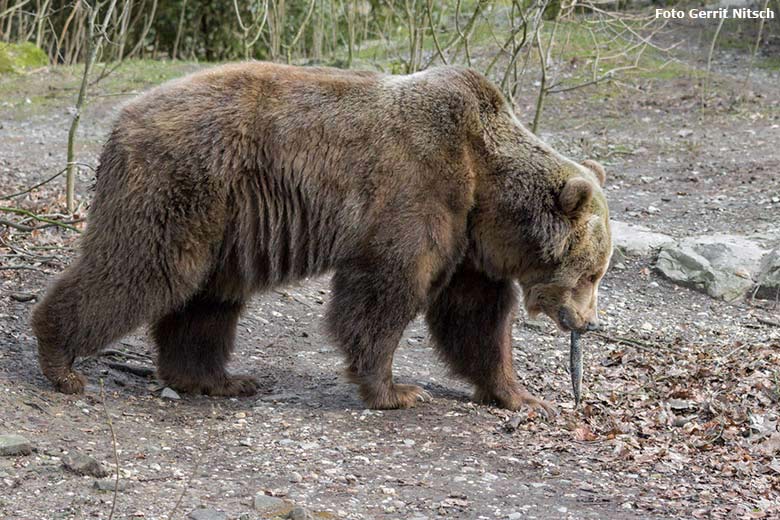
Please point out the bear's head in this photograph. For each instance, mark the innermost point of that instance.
(563, 284)
(545, 223)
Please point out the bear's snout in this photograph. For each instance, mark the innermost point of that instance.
(570, 320)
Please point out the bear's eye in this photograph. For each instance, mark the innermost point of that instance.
(593, 278)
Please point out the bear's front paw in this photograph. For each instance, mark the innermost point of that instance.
(389, 397)
(233, 386)
(514, 399)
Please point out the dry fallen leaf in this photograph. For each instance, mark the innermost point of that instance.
(771, 446)
(583, 433)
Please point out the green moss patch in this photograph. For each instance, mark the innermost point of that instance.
(15, 57)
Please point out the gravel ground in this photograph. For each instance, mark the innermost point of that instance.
(682, 392)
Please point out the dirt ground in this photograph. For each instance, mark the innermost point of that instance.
(682, 392)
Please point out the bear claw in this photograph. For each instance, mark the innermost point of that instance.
(234, 386)
(516, 398)
(71, 383)
(394, 396)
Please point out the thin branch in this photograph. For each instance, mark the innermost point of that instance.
(439, 51)
(20, 227)
(114, 448)
(755, 46)
(28, 190)
(136, 370)
(543, 81)
(19, 211)
(195, 469)
(642, 345)
(606, 76)
(768, 322)
(709, 62)
(22, 268)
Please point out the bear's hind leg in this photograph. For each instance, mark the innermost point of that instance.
(90, 305)
(471, 322)
(55, 322)
(367, 317)
(194, 344)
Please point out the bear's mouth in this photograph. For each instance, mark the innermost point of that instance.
(566, 320)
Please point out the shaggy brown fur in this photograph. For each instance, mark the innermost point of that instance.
(423, 193)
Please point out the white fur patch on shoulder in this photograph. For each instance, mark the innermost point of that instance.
(593, 220)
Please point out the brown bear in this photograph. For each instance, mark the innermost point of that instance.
(422, 193)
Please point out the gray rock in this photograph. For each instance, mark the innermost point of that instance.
(12, 445)
(83, 465)
(634, 240)
(300, 513)
(207, 514)
(169, 393)
(270, 505)
(722, 266)
(109, 484)
(768, 279)
(535, 325)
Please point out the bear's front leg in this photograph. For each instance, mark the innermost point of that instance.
(471, 323)
(194, 344)
(367, 316)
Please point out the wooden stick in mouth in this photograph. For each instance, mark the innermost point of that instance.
(575, 366)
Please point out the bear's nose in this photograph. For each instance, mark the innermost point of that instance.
(592, 326)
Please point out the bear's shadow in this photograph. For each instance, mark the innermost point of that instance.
(283, 387)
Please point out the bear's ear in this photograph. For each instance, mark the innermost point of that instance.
(597, 169)
(575, 195)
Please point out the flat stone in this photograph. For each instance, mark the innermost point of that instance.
(12, 445)
(84, 465)
(207, 514)
(169, 393)
(271, 505)
(300, 513)
(109, 484)
(768, 279)
(633, 240)
(723, 266)
(535, 325)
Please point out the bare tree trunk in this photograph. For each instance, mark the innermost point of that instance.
(709, 62)
(124, 20)
(543, 81)
(756, 45)
(289, 47)
(179, 29)
(40, 17)
(318, 35)
(140, 44)
(349, 15)
(93, 46)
